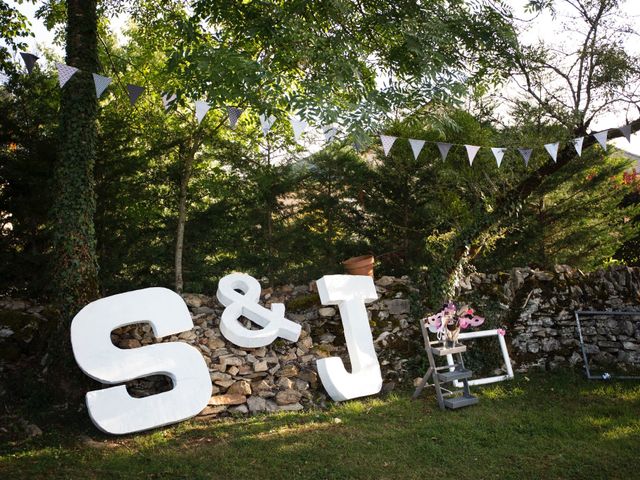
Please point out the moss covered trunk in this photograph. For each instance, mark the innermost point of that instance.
(75, 268)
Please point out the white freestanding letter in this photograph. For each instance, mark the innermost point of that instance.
(350, 293)
(246, 304)
(113, 410)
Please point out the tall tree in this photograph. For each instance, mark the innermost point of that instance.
(75, 273)
(569, 87)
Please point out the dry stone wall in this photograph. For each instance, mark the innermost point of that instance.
(537, 307)
(283, 375)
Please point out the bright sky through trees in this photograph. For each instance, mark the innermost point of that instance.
(543, 27)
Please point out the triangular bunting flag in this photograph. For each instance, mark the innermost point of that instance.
(29, 60)
(134, 92)
(472, 150)
(601, 137)
(626, 131)
(577, 144)
(234, 115)
(266, 123)
(202, 108)
(168, 99)
(498, 152)
(329, 133)
(387, 143)
(298, 125)
(526, 155)
(444, 149)
(416, 146)
(65, 72)
(101, 83)
(552, 149)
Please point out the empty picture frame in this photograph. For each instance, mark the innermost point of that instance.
(505, 357)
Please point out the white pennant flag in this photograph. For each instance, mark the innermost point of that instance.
(387, 143)
(416, 146)
(65, 72)
(444, 149)
(266, 123)
(498, 152)
(577, 144)
(552, 149)
(329, 133)
(298, 125)
(626, 131)
(526, 155)
(168, 99)
(101, 83)
(201, 109)
(234, 115)
(472, 150)
(601, 137)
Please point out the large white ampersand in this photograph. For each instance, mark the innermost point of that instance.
(246, 304)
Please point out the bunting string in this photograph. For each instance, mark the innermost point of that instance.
(299, 125)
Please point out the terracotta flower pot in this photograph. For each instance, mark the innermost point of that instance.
(362, 265)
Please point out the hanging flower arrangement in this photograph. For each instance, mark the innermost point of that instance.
(447, 323)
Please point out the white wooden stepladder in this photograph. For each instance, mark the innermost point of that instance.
(448, 373)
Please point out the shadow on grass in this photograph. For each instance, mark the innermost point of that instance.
(553, 426)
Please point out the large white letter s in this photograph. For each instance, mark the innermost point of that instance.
(113, 410)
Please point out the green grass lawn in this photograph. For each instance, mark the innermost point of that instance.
(547, 426)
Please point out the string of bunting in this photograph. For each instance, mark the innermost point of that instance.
(299, 125)
(498, 152)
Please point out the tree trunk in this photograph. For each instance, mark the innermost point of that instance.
(188, 158)
(75, 265)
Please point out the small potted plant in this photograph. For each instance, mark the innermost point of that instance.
(362, 265)
(448, 322)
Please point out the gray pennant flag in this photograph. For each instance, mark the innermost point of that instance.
(577, 144)
(526, 155)
(65, 72)
(134, 92)
(416, 146)
(387, 143)
(101, 84)
(168, 99)
(626, 131)
(329, 133)
(601, 137)
(444, 149)
(472, 151)
(29, 60)
(234, 115)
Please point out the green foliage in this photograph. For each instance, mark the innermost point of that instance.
(28, 125)
(13, 26)
(323, 58)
